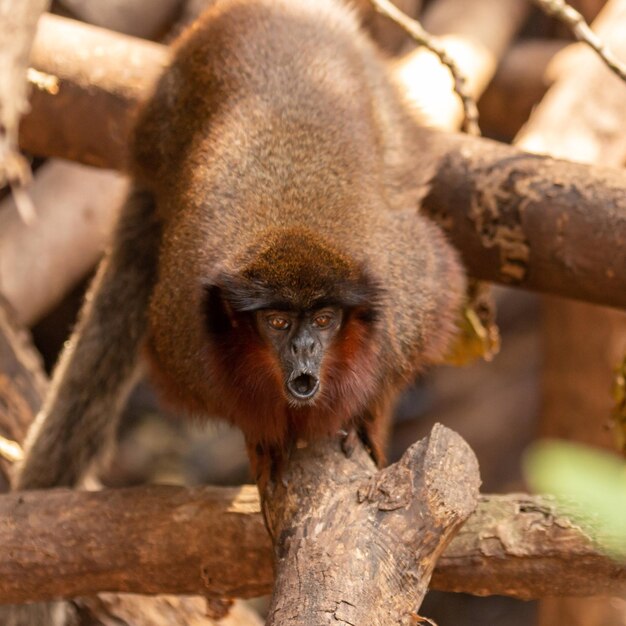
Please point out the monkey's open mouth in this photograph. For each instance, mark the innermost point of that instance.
(303, 387)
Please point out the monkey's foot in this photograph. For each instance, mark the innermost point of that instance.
(349, 441)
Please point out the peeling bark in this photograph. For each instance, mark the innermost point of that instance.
(531, 221)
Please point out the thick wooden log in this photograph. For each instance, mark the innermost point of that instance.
(102, 76)
(358, 546)
(532, 221)
(212, 541)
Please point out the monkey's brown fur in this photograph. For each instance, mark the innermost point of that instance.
(276, 145)
(275, 152)
(275, 156)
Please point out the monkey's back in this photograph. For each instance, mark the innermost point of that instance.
(279, 114)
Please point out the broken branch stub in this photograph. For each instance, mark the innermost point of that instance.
(357, 546)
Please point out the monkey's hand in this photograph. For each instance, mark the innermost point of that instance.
(40, 614)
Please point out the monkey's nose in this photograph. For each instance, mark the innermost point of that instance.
(304, 386)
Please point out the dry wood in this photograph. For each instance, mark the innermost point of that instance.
(523, 220)
(421, 37)
(18, 22)
(41, 262)
(22, 385)
(102, 75)
(212, 541)
(521, 546)
(583, 117)
(358, 546)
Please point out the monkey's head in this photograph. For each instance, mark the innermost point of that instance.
(304, 310)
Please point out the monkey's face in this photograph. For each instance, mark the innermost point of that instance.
(300, 340)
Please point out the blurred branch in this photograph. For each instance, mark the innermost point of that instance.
(476, 34)
(579, 27)
(18, 21)
(41, 262)
(422, 37)
(89, 119)
(520, 82)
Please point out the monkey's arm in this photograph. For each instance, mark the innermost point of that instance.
(93, 376)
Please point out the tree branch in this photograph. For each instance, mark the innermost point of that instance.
(90, 117)
(18, 21)
(424, 38)
(532, 221)
(130, 540)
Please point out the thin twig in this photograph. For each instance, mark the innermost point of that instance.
(424, 38)
(581, 30)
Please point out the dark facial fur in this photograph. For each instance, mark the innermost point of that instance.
(280, 350)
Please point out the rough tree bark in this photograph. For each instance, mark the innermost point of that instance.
(357, 546)
(522, 219)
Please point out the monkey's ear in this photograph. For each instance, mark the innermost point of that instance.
(218, 314)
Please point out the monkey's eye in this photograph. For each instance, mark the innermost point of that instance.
(278, 323)
(323, 321)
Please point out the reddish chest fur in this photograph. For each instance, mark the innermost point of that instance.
(252, 387)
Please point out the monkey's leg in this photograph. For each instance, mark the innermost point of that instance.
(92, 378)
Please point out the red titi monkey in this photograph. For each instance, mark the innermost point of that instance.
(271, 258)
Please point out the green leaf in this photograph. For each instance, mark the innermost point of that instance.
(589, 485)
